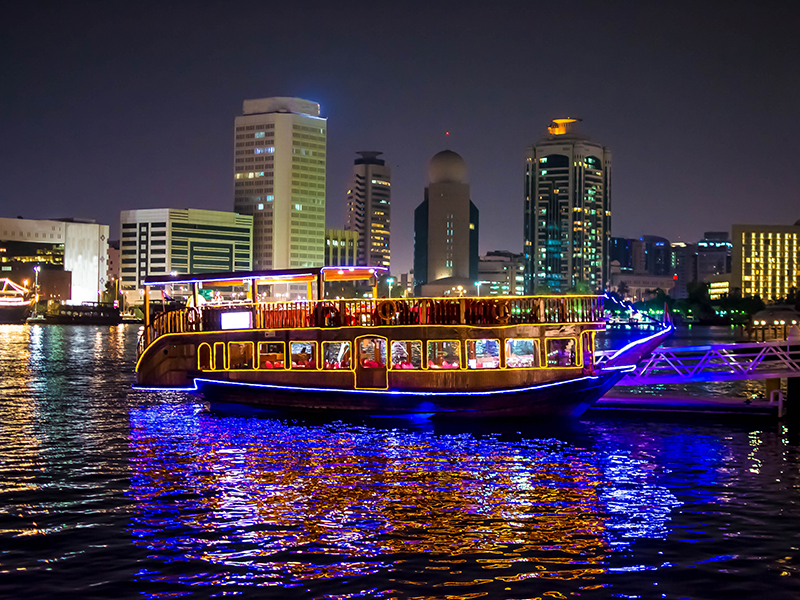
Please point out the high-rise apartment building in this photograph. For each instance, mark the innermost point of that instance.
(369, 209)
(567, 211)
(162, 240)
(765, 260)
(279, 179)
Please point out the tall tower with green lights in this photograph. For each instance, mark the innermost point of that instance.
(567, 212)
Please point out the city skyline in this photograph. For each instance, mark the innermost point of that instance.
(700, 117)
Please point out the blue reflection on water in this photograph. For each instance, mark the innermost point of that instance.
(273, 502)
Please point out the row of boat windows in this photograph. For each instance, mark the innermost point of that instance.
(371, 353)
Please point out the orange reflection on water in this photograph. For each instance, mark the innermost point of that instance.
(371, 500)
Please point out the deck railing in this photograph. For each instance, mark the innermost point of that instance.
(370, 312)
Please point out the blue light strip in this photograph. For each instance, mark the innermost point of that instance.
(629, 307)
(266, 386)
(623, 368)
(642, 341)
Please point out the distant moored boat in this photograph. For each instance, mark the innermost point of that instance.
(16, 302)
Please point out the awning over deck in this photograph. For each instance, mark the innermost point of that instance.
(282, 276)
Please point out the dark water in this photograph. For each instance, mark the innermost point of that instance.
(109, 493)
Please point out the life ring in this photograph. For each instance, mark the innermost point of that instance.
(502, 311)
(193, 316)
(386, 310)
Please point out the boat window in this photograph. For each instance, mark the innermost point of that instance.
(337, 355)
(406, 355)
(304, 355)
(204, 357)
(372, 353)
(444, 355)
(483, 354)
(561, 352)
(522, 353)
(271, 355)
(219, 356)
(240, 355)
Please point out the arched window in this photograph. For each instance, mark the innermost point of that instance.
(204, 357)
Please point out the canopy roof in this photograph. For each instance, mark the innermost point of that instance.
(270, 277)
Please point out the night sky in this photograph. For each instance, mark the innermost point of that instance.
(112, 106)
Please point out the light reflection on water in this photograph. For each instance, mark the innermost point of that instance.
(361, 499)
(105, 492)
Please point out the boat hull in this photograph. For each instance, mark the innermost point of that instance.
(568, 398)
(14, 314)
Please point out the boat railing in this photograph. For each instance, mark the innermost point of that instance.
(372, 312)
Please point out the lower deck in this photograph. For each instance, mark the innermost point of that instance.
(412, 358)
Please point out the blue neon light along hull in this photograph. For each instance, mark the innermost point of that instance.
(568, 398)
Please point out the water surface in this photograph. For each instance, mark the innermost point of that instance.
(106, 492)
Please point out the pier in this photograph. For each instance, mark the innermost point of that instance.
(769, 361)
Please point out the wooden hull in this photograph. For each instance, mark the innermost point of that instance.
(567, 398)
(14, 314)
(174, 361)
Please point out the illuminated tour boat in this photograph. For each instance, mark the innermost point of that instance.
(449, 356)
(16, 302)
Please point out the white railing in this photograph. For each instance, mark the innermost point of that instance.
(721, 362)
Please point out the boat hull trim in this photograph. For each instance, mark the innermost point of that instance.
(568, 398)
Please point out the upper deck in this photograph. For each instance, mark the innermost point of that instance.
(357, 313)
(371, 312)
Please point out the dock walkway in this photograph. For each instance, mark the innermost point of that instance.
(676, 405)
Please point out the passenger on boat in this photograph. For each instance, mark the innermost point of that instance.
(442, 364)
(303, 360)
(371, 364)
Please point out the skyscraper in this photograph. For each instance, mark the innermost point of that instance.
(446, 230)
(279, 178)
(567, 211)
(369, 209)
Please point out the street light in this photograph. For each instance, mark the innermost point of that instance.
(389, 282)
(36, 270)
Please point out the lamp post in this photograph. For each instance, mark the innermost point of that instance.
(36, 270)
(389, 282)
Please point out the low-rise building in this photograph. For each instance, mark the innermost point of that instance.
(71, 255)
(501, 273)
(162, 240)
(635, 288)
(719, 286)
